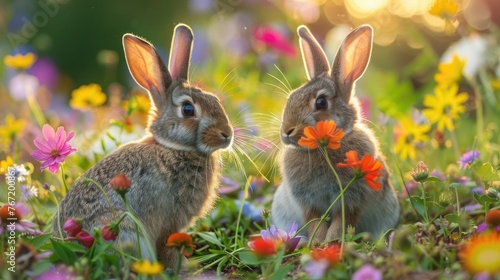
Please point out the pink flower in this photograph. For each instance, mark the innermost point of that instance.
(72, 226)
(54, 150)
(367, 272)
(274, 39)
(110, 231)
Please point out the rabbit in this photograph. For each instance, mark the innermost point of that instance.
(174, 170)
(308, 185)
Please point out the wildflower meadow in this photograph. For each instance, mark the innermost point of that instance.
(250, 139)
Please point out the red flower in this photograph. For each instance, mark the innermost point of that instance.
(85, 238)
(110, 231)
(120, 183)
(367, 167)
(324, 134)
(182, 241)
(330, 253)
(72, 226)
(262, 247)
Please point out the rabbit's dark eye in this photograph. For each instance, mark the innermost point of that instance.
(188, 110)
(321, 103)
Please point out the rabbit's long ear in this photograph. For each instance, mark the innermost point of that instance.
(314, 57)
(147, 68)
(352, 59)
(180, 52)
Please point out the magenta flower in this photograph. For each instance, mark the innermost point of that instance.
(274, 39)
(54, 149)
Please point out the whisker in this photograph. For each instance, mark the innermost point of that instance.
(282, 92)
(284, 77)
(222, 86)
(286, 89)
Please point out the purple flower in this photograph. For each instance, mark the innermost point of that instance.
(468, 157)
(367, 272)
(288, 238)
(437, 174)
(228, 185)
(471, 207)
(54, 150)
(316, 269)
(483, 227)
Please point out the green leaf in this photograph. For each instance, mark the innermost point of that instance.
(281, 272)
(483, 199)
(418, 205)
(249, 258)
(484, 171)
(455, 185)
(453, 218)
(63, 252)
(433, 179)
(39, 240)
(210, 238)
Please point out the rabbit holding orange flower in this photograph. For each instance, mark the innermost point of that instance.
(327, 102)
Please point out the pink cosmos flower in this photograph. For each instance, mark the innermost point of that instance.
(54, 149)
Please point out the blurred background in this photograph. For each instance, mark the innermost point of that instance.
(246, 51)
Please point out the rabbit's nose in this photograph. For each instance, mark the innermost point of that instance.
(225, 135)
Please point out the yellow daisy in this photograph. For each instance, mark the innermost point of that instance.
(4, 165)
(482, 253)
(19, 61)
(87, 96)
(445, 9)
(408, 136)
(12, 128)
(450, 73)
(145, 267)
(445, 106)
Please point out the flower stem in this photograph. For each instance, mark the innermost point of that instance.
(35, 109)
(104, 193)
(64, 179)
(137, 234)
(458, 202)
(454, 141)
(178, 268)
(426, 214)
(245, 194)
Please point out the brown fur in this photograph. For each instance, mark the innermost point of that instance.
(308, 183)
(174, 170)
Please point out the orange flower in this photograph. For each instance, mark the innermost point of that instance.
(182, 241)
(493, 218)
(263, 248)
(367, 167)
(331, 254)
(325, 134)
(482, 253)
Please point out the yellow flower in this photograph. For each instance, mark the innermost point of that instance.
(4, 165)
(444, 106)
(145, 267)
(408, 136)
(445, 9)
(482, 253)
(20, 61)
(87, 96)
(12, 128)
(495, 84)
(450, 73)
(139, 103)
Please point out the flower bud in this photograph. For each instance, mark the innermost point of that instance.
(420, 173)
(85, 238)
(120, 183)
(110, 231)
(72, 226)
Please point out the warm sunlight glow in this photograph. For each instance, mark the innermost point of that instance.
(409, 8)
(362, 8)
